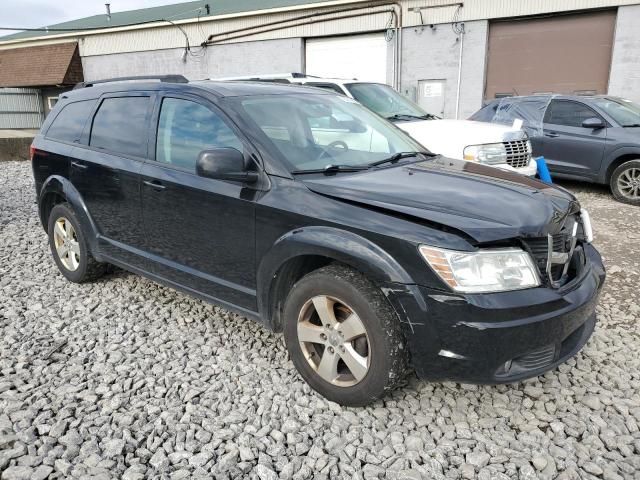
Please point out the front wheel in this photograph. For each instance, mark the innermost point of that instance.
(343, 336)
(625, 182)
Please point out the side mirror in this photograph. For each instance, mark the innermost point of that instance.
(593, 123)
(224, 164)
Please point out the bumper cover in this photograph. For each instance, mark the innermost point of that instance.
(500, 337)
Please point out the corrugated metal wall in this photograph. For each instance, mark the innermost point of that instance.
(163, 36)
(20, 108)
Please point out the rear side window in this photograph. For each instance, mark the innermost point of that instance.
(185, 128)
(568, 113)
(68, 125)
(120, 126)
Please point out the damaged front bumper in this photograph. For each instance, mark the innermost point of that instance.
(498, 337)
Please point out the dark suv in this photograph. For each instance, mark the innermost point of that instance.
(592, 138)
(307, 212)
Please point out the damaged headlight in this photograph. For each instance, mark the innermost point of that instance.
(485, 270)
(489, 154)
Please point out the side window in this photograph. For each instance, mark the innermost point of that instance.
(120, 125)
(68, 125)
(185, 128)
(568, 113)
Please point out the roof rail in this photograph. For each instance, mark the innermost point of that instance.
(162, 78)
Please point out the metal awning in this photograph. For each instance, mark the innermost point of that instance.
(45, 65)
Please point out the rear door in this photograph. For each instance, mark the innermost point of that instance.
(106, 171)
(567, 147)
(200, 231)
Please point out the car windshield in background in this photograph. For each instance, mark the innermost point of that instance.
(385, 101)
(625, 112)
(313, 132)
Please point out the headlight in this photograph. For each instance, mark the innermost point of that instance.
(490, 153)
(487, 270)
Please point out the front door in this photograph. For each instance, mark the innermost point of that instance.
(105, 169)
(200, 231)
(568, 147)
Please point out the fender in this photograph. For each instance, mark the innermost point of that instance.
(61, 186)
(340, 245)
(612, 156)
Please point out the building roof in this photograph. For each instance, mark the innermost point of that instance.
(55, 64)
(173, 12)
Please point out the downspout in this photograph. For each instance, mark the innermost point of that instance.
(462, 32)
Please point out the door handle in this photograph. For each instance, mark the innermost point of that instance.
(81, 166)
(155, 184)
(551, 134)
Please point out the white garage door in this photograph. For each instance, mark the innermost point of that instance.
(359, 56)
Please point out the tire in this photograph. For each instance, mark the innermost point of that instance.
(367, 365)
(625, 182)
(77, 265)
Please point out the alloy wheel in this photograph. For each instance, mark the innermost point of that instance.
(629, 183)
(66, 243)
(334, 341)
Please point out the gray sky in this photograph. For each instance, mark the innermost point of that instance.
(37, 13)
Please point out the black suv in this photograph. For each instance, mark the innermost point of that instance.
(591, 138)
(305, 211)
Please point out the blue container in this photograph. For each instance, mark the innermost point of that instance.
(543, 170)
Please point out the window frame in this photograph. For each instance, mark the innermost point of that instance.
(155, 123)
(85, 141)
(549, 111)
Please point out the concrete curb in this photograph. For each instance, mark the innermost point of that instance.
(15, 148)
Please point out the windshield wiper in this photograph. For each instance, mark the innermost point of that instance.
(404, 116)
(331, 169)
(396, 157)
(632, 125)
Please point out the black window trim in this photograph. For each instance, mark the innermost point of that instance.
(549, 109)
(249, 152)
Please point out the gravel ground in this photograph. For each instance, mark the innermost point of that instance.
(127, 379)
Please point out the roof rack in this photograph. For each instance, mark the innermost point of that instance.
(162, 78)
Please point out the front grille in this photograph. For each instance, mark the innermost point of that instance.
(537, 358)
(518, 153)
(540, 251)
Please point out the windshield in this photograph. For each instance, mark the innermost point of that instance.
(385, 101)
(625, 112)
(316, 131)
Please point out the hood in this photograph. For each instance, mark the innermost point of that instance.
(485, 203)
(450, 137)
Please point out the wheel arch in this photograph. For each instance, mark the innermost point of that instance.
(57, 189)
(304, 250)
(620, 158)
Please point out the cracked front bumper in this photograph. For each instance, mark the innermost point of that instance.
(499, 337)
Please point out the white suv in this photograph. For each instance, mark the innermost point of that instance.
(500, 146)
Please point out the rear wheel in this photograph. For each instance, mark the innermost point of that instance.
(343, 336)
(625, 182)
(69, 247)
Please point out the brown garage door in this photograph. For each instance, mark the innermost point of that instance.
(561, 54)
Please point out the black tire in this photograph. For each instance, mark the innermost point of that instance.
(386, 351)
(621, 175)
(88, 268)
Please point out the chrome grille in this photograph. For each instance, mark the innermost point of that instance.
(518, 153)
